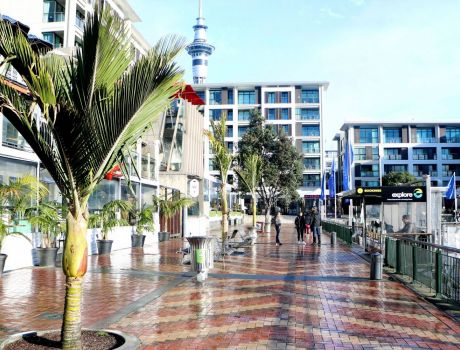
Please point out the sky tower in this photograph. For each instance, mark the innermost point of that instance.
(199, 49)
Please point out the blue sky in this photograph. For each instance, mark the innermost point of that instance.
(385, 60)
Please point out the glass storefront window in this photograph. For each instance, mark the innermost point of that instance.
(105, 191)
(147, 194)
(54, 195)
(130, 194)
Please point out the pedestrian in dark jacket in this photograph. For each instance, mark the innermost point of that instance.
(300, 227)
(315, 226)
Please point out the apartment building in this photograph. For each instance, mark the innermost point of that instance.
(60, 22)
(294, 107)
(418, 148)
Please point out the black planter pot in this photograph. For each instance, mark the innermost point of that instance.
(104, 246)
(163, 236)
(2, 262)
(46, 256)
(137, 241)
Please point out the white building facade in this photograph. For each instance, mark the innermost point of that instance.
(418, 148)
(295, 107)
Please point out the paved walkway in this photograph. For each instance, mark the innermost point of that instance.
(271, 298)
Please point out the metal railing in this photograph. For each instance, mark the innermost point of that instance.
(434, 266)
(344, 233)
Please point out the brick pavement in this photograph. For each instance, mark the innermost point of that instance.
(270, 298)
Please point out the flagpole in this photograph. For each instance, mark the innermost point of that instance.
(455, 198)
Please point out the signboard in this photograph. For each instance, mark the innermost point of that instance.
(194, 188)
(394, 193)
(403, 194)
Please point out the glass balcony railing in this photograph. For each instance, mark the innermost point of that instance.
(310, 150)
(393, 139)
(80, 22)
(311, 184)
(454, 139)
(426, 139)
(393, 157)
(49, 17)
(311, 133)
(369, 174)
(15, 143)
(420, 173)
(311, 167)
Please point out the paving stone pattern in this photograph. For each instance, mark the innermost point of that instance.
(288, 297)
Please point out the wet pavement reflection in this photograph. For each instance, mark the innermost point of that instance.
(271, 297)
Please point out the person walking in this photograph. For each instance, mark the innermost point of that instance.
(307, 224)
(314, 226)
(278, 228)
(300, 227)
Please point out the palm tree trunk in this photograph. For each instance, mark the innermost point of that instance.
(74, 265)
(254, 208)
(224, 215)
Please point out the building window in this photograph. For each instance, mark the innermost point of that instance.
(392, 135)
(375, 153)
(53, 11)
(229, 146)
(398, 168)
(310, 130)
(54, 39)
(311, 163)
(307, 113)
(105, 191)
(284, 114)
(285, 129)
(271, 97)
(202, 95)
(285, 97)
(215, 114)
(229, 131)
(425, 135)
(360, 153)
(80, 21)
(369, 183)
(311, 180)
(453, 134)
(367, 170)
(230, 96)
(310, 147)
(423, 153)
(309, 96)
(392, 153)
(425, 169)
(246, 97)
(215, 97)
(271, 114)
(242, 130)
(368, 135)
(12, 138)
(244, 115)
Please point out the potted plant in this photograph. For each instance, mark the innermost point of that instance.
(168, 207)
(15, 197)
(144, 223)
(47, 219)
(107, 219)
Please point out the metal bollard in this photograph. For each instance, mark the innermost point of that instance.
(333, 238)
(376, 266)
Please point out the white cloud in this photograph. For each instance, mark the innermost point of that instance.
(331, 13)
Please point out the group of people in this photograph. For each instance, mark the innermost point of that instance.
(308, 223)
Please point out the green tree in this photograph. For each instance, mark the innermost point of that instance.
(250, 175)
(93, 106)
(281, 163)
(394, 178)
(223, 159)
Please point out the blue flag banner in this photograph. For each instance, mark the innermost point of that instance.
(331, 181)
(346, 168)
(323, 185)
(451, 192)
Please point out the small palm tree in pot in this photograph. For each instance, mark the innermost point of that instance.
(168, 207)
(107, 219)
(47, 219)
(144, 223)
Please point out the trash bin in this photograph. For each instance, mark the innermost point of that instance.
(376, 266)
(333, 238)
(201, 255)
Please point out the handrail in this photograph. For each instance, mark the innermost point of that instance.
(427, 244)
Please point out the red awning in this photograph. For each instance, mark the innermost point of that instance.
(115, 172)
(187, 93)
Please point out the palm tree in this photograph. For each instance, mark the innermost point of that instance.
(223, 159)
(48, 220)
(170, 206)
(250, 175)
(144, 220)
(94, 105)
(107, 219)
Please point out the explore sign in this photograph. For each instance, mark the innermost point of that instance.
(394, 193)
